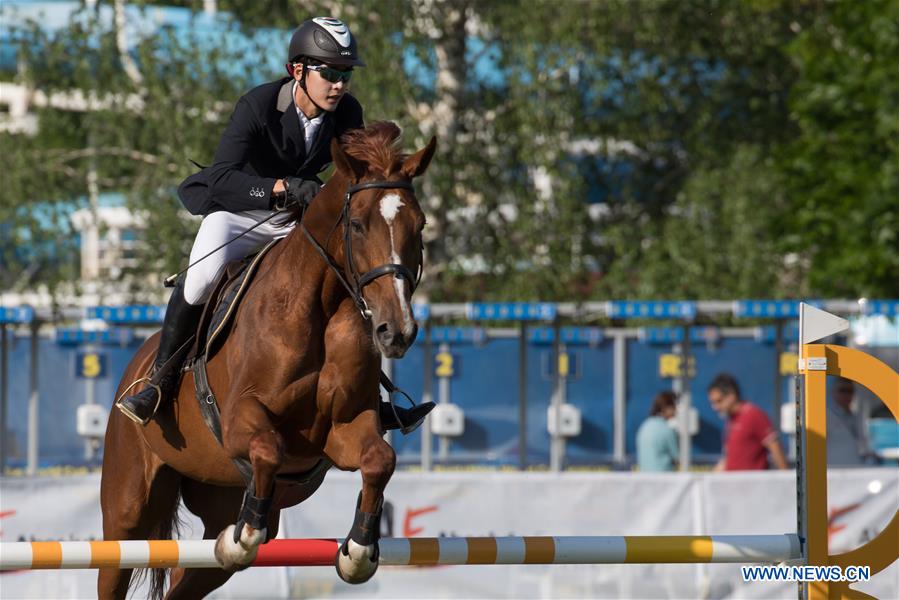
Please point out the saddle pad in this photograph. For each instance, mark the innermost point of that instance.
(239, 275)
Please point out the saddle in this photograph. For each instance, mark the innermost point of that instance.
(226, 295)
(215, 323)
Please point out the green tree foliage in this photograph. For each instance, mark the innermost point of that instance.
(843, 166)
(721, 236)
(587, 149)
(136, 136)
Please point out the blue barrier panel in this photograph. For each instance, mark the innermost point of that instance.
(60, 396)
(127, 315)
(704, 335)
(661, 335)
(109, 337)
(139, 314)
(572, 336)
(421, 312)
(771, 308)
(624, 309)
(767, 334)
(889, 308)
(675, 335)
(593, 393)
(486, 388)
(457, 335)
(510, 311)
(17, 314)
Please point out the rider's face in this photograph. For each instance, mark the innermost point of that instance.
(324, 93)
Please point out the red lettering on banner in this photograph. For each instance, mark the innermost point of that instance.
(6, 513)
(411, 513)
(835, 513)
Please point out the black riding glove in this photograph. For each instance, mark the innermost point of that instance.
(298, 192)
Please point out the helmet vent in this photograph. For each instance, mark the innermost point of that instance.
(324, 41)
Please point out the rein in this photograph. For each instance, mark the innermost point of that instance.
(348, 276)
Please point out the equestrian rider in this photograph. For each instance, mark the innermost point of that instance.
(278, 140)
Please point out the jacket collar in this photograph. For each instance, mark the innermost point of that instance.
(285, 95)
(294, 139)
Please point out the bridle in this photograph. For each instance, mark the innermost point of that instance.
(348, 275)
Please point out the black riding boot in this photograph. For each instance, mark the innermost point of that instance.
(409, 418)
(179, 324)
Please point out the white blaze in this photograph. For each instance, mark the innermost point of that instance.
(390, 206)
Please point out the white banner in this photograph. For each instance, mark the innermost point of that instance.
(478, 504)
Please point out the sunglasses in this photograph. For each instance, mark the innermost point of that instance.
(330, 74)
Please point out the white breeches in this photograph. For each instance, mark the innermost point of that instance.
(216, 229)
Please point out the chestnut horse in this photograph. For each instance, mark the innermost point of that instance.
(296, 380)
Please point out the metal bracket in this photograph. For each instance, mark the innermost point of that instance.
(818, 363)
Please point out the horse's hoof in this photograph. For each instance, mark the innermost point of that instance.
(356, 563)
(236, 556)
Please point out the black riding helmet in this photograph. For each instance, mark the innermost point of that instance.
(326, 40)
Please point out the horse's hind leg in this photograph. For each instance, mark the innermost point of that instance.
(139, 500)
(359, 445)
(217, 507)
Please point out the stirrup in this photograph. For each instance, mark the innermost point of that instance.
(124, 395)
(405, 428)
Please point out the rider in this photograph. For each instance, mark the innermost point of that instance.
(278, 140)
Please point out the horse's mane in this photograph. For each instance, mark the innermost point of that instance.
(377, 145)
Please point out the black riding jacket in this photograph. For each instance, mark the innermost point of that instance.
(264, 142)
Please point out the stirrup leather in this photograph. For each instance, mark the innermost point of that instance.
(124, 394)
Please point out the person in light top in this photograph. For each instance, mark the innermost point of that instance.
(657, 443)
(847, 440)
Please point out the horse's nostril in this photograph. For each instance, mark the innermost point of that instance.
(382, 329)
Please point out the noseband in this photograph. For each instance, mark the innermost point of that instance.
(348, 275)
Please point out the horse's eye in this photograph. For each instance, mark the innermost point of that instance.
(356, 224)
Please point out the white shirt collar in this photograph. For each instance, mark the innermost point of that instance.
(310, 126)
(306, 121)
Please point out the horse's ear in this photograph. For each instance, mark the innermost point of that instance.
(416, 164)
(353, 167)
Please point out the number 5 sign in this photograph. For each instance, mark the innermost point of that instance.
(90, 365)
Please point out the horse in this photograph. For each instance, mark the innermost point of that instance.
(296, 379)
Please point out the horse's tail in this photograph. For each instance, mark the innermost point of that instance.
(166, 528)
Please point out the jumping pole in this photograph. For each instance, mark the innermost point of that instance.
(537, 550)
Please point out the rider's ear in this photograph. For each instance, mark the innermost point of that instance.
(416, 164)
(346, 163)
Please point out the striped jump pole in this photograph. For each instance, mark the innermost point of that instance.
(413, 551)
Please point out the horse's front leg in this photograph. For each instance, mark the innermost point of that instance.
(359, 445)
(249, 432)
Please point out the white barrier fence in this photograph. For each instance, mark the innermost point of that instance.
(496, 504)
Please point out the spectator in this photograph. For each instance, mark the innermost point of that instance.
(748, 434)
(656, 440)
(847, 443)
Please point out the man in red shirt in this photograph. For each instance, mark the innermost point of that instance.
(748, 434)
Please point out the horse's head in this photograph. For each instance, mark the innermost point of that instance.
(383, 225)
